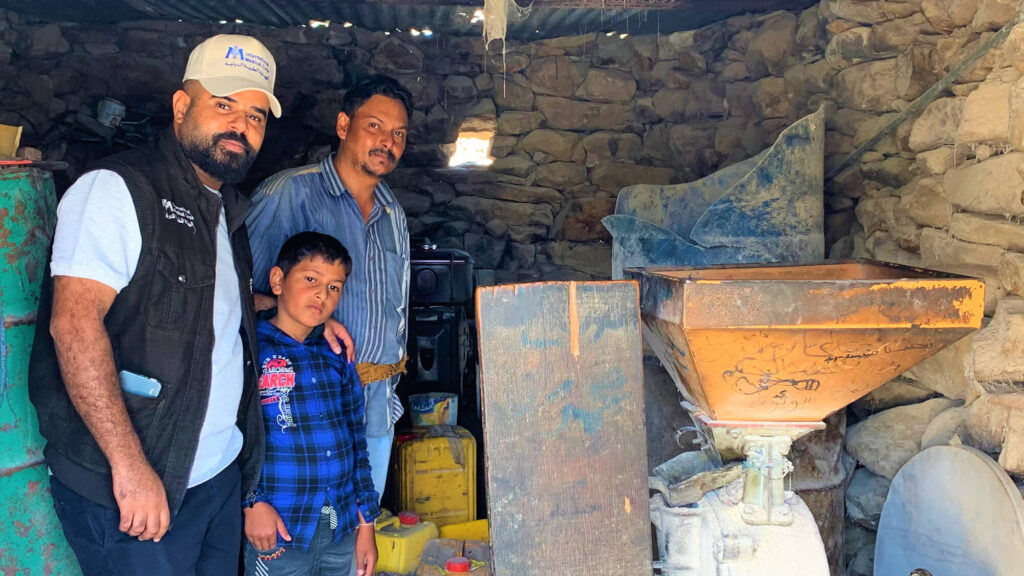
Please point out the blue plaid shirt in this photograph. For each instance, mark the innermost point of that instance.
(316, 444)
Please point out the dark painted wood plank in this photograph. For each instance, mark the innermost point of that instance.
(565, 441)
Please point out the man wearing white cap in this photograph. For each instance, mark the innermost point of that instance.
(145, 381)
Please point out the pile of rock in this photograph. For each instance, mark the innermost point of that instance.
(943, 191)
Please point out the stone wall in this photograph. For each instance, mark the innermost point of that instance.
(943, 191)
(575, 119)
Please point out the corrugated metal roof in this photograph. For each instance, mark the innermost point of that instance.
(540, 22)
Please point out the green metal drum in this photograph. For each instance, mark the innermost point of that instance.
(31, 540)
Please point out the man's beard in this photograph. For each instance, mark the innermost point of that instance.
(228, 167)
(365, 166)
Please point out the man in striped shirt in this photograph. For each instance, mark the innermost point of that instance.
(345, 196)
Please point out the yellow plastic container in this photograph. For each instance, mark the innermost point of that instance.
(437, 474)
(400, 542)
(475, 530)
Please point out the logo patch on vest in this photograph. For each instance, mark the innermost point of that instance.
(277, 380)
(178, 214)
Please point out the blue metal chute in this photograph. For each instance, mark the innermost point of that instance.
(769, 208)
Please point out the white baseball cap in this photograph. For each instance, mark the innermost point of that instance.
(230, 63)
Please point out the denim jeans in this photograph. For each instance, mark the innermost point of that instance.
(324, 558)
(202, 540)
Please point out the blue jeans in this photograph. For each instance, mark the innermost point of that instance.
(324, 558)
(379, 449)
(202, 540)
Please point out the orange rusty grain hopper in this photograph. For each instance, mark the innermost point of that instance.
(794, 343)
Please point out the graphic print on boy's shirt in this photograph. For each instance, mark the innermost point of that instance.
(277, 381)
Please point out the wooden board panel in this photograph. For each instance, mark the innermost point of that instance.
(564, 434)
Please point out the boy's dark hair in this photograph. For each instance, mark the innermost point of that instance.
(376, 85)
(308, 244)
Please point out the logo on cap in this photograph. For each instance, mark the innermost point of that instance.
(248, 61)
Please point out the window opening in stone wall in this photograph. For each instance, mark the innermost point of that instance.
(472, 149)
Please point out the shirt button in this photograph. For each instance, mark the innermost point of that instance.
(322, 417)
(314, 380)
(182, 278)
(328, 452)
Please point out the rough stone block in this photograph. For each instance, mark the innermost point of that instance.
(815, 77)
(602, 147)
(1016, 111)
(867, 11)
(885, 441)
(594, 258)
(47, 40)
(772, 45)
(997, 353)
(487, 251)
(1011, 272)
(987, 114)
(993, 230)
(413, 202)
(984, 424)
(515, 164)
(915, 71)
(936, 162)
(554, 76)
(896, 392)
(607, 86)
(938, 248)
(483, 210)
(516, 122)
(993, 14)
(566, 114)
(487, 187)
(865, 496)
(994, 186)
(1012, 456)
(560, 175)
(512, 92)
(849, 47)
(924, 202)
(580, 220)
(772, 98)
(560, 145)
(882, 246)
(876, 214)
(894, 35)
(868, 86)
(937, 125)
(614, 177)
(395, 56)
(810, 31)
(457, 87)
(893, 171)
(947, 15)
(942, 429)
(946, 371)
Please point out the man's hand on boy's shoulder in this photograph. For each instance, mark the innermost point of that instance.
(262, 525)
(366, 549)
(337, 336)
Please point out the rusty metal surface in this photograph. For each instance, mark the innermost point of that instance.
(781, 343)
(768, 208)
(544, 20)
(31, 540)
(563, 409)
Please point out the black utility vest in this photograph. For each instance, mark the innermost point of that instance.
(160, 326)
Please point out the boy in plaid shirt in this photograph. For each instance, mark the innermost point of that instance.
(315, 504)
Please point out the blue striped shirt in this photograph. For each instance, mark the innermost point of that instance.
(315, 449)
(375, 301)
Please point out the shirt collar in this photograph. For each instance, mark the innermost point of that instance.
(268, 329)
(383, 195)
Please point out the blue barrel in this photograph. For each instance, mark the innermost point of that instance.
(31, 540)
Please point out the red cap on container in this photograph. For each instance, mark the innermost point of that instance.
(408, 518)
(457, 564)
